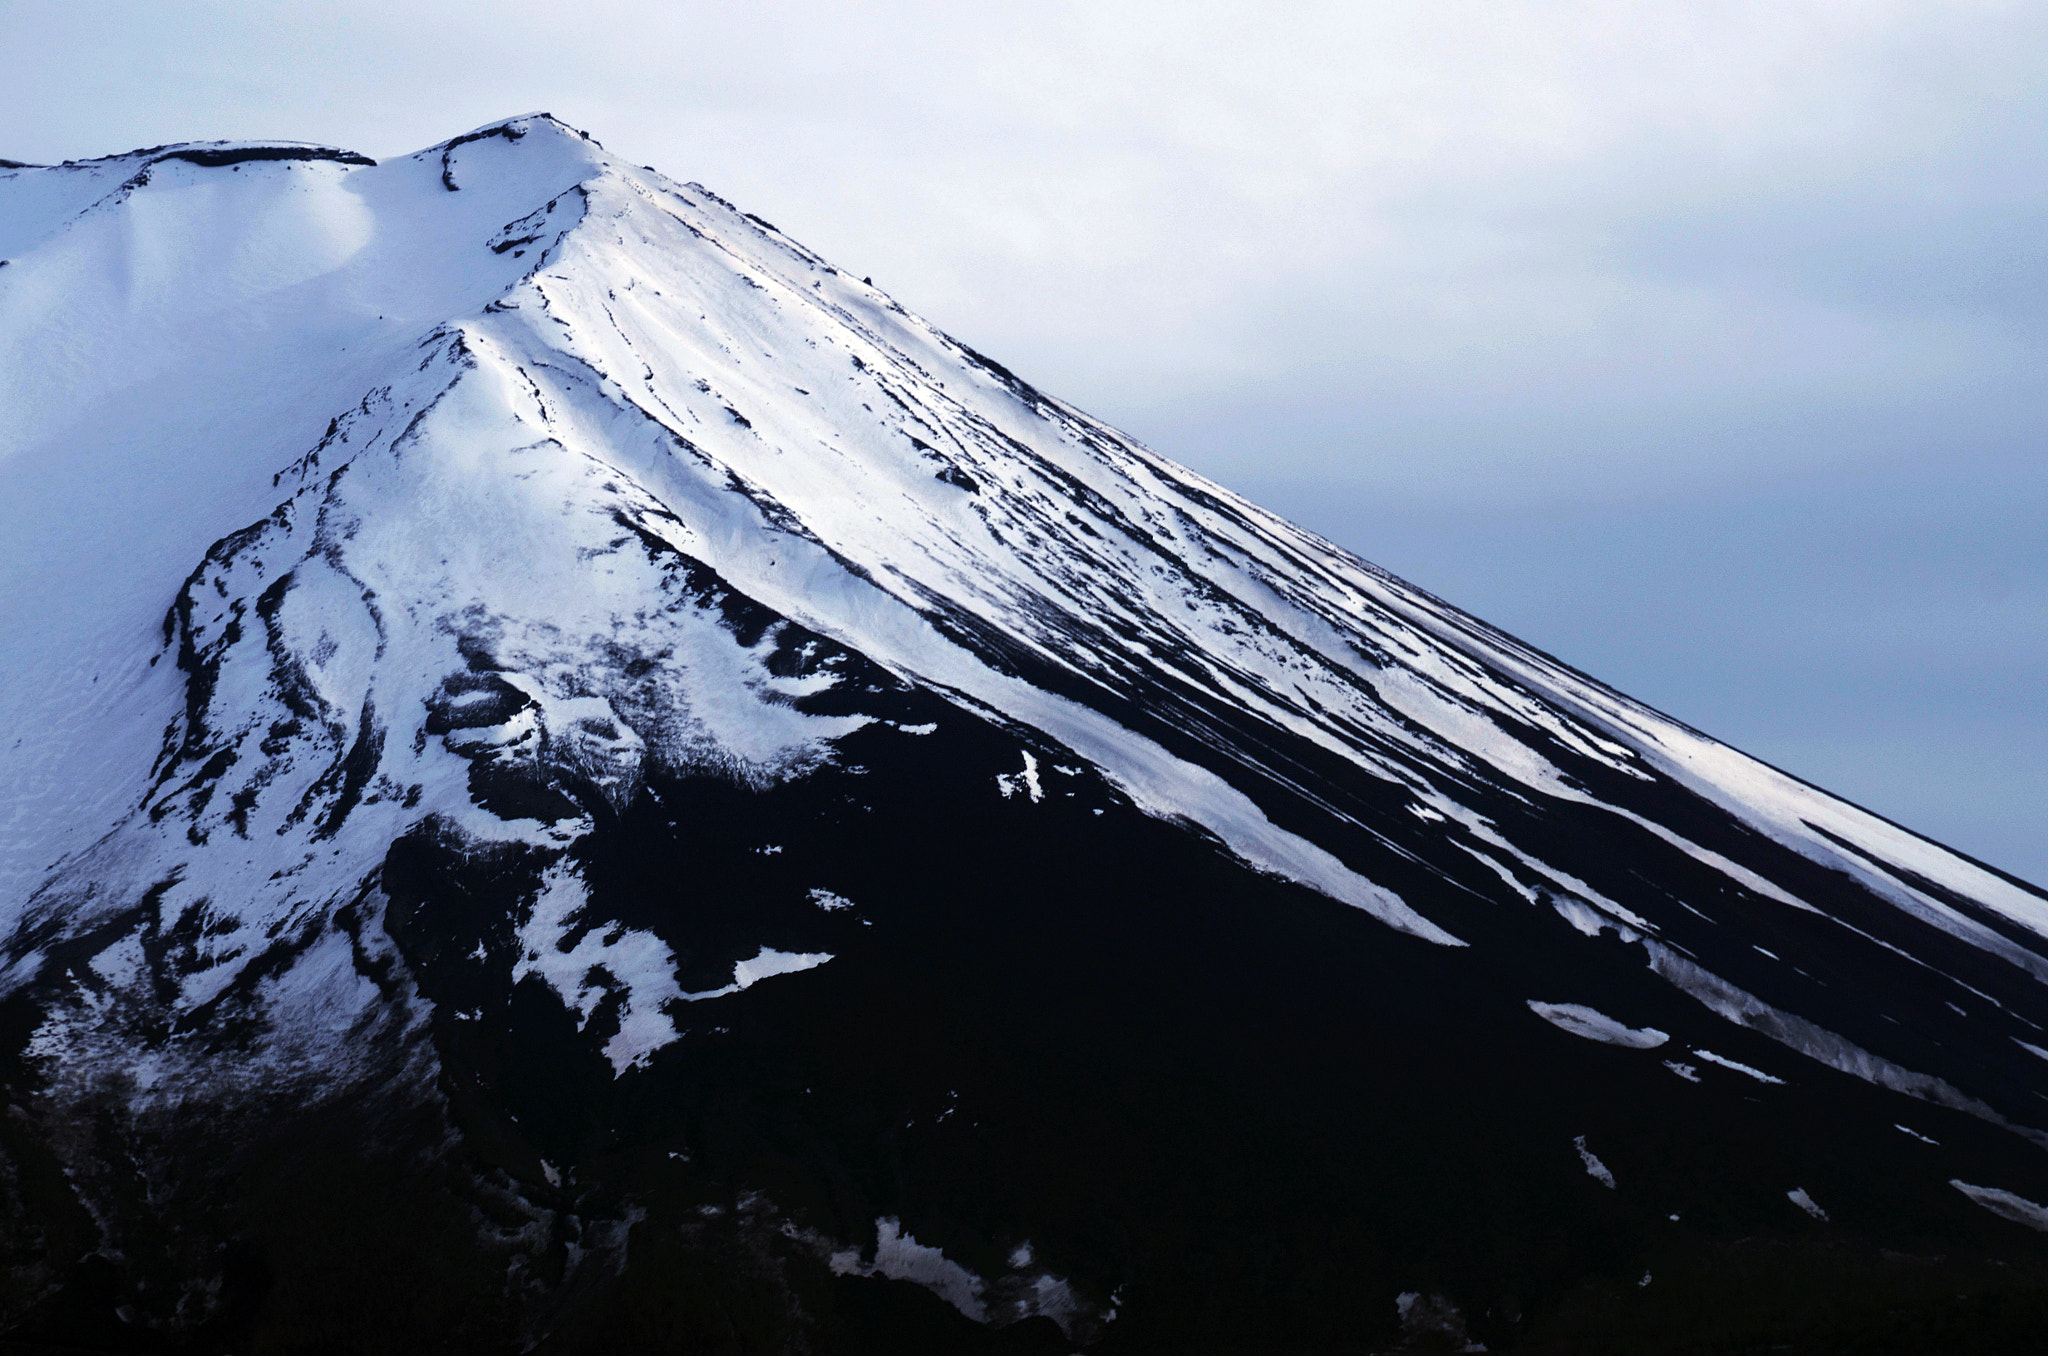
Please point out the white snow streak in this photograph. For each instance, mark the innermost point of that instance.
(1597, 1026)
(1758, 1074)
(1798, 1197)
(2018, 1209)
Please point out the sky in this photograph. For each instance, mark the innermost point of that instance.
(1699, 344)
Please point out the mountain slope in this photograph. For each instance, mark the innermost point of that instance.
(736, 815)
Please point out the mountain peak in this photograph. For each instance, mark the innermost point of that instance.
(516, 666)
(516, 127)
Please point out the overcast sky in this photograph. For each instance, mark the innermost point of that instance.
(1699, 343)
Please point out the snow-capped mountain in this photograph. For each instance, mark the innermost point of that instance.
(574, 775)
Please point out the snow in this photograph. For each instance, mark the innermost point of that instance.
(1010, 783)
(1594, 1025)
(764, 964)
(770, 962)
(1582, 916)
(1798, 1197)
(1816, 1042)
(1026, 1291)
(2018, 1209)
(563, 947)
(1432, 1322)
(1055, 1298)
(900, 1257)
(161, 357)
(1595, 1169)
(1758, 1074)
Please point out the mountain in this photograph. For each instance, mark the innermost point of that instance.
(577, 779)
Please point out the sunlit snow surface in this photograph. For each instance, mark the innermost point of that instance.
(336, 499)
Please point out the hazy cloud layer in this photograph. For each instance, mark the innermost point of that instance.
(1702, 343)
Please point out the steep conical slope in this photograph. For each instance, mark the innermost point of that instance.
(682, 805)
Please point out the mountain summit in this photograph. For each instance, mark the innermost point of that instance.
(578, 779)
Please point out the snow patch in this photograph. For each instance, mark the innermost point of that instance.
(2016, 1208)
(1595, 1169)
(1433, 1322)
(900, 1257)
(583, 962)
(1597, 1026)
(1588, 920)
(1758, 1074)
(1817, 1042)
(1798, 1197)
(1010, 783)
(764, 964)
(1027, 1290)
